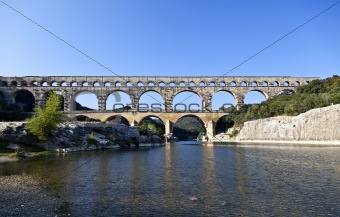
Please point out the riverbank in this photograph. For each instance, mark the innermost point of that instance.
(72, 137)
(319, 126)
(24, 195)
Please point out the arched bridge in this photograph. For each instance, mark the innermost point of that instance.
(168, 87)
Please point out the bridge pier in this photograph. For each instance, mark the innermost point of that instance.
(210, 126)
(168, 127)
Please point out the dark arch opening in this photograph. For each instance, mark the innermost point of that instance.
(118, 119)
(24, 100)
(23, 83)
(189, 127)
(3, 84)
(14, 83)
(153, 123)
(85, 118)
(223, 124)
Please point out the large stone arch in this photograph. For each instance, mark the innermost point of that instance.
(193, 134)
(142, 117)
(266, 96)
(118, 98)
(76, 94)
(153, 99)
(195, 91)
(226, 91)
(186, 99)
(118, 119)
(24, 100)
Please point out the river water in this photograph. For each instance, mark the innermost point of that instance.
(190, 179)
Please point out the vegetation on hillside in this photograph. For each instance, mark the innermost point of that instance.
(46, 120)
(188, 128)
(151, 125)
(316, 94)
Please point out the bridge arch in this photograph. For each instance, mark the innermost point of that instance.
(187, 100)
(255, 96)
(86, 118)
(14, 83)
(3, 84)
(22, 83)
(189, 127)
(151, 100)
(24, 100)
(223, 124)
(118, 119)
(117, 99)
(88, 98)
(221, 98)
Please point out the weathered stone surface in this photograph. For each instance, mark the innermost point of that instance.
(322, 124)
(135, 86)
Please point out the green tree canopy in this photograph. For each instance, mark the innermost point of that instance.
(46, 120)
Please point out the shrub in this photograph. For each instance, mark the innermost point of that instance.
(92, 139)
(46, 120)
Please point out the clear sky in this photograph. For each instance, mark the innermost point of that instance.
(170, 38)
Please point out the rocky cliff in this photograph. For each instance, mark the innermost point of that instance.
(322, 124)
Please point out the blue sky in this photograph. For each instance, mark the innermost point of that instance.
(170, 38)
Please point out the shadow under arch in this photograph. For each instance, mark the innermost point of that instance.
(218, 102)
(118, 119)
(86, 118)
(223, 124)
(24, 100)
(188, 127)
(77, 106)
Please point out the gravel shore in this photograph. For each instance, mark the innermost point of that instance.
(24, 195)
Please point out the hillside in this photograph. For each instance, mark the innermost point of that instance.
(316, 94)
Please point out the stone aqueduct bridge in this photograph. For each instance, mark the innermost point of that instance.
(168, 87)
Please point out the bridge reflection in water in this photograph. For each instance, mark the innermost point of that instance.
(193, 180)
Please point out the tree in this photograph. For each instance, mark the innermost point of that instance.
(46, 120)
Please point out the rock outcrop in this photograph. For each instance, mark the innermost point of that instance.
(322, 124)
(81, 136)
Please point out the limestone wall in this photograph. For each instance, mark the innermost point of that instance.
(322, 124)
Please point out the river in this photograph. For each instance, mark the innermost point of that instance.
(192, 179)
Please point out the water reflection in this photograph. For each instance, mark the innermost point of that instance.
(193, 179)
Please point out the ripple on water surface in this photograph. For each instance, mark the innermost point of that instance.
(191, 179)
